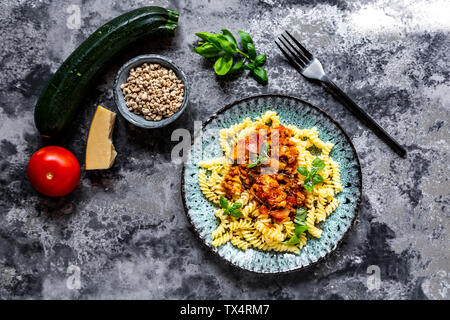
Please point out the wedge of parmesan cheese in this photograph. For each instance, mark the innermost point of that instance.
(100, 152)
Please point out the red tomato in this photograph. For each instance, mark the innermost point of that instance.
(53, 171)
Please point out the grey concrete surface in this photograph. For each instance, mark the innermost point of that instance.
(125, 228)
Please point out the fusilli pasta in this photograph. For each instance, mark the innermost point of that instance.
(253, 228)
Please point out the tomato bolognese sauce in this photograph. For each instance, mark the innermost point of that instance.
(273, 182)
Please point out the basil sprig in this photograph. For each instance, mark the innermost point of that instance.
(256, 160)
(300, 227)
(230, 209)
(224, 47)
(312, 177)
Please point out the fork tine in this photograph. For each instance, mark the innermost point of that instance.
(294, 64)
(301, 60)
(297, 53)
(306, 52)
(291, 56)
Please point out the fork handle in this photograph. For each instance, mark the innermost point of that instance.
(363, 116)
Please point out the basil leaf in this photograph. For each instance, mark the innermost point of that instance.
(213, 38)
(318, 164)
(252, 165)
(292, 241)
(249, 66)
(222, 42)
(253, 157)
(223, 65)
(236, 205)
(311, 173)
(303, 171)
(226, 211)
(317, 178)
(224, 203)
(301, 211)
(260, 60)
(237, 66)
(245, 38)
(300, 228)
(229, 36)
(299, 223)
(251, 51)
(227, 46)
(235, 213)
(204, 35)
(264, 159)
(207, 50)
(308, 185)
(264, 149)
(212, 45)
(260, 75)
(300, 216)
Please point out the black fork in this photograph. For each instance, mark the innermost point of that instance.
(311, 68)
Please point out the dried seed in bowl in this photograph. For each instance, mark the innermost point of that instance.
(153, 91)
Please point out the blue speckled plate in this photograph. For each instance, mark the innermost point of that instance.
(294, 111)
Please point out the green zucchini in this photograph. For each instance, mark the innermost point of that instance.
(64, 93)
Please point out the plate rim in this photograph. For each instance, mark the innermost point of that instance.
(358, 202)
